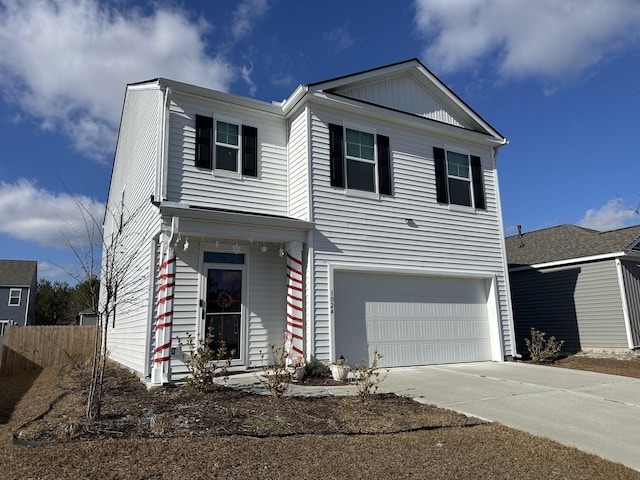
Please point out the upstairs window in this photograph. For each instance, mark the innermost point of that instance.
(458, 178)
(227, 146)
(359, 160)
(230, 147)
(15, 295)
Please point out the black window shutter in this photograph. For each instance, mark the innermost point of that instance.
(336, 161)
(249, 151)
(384, 165)
(478, 187)
(439, 159)
(204, 141)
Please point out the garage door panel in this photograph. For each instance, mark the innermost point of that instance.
(411, 320)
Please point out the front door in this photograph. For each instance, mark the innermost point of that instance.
(223, 322)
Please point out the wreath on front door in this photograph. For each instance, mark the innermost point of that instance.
(224, 300)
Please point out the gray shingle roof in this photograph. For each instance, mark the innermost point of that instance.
(17, 273)
(566, 242)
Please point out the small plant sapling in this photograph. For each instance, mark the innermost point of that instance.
(543, 350)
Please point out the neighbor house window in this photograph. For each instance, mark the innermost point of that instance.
(458, 178)
(3, 326)
(227, 147)
(14, 297)
(359, 160)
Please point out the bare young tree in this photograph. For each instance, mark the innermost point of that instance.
(107, 263)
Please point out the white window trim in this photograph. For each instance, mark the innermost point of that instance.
(19, 290)
(364, 129)
(218, 171)
(3, 326)
(461, 151)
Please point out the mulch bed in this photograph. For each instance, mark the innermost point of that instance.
(223, 433)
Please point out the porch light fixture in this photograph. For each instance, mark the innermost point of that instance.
(186, 244)
(281, 251)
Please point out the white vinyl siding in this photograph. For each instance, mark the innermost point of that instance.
(133, 182)
(264, 194)
(366, 231)
(299, 168)
(405, 94)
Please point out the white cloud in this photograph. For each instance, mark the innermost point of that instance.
(552, 39)
(66, 63)
(611, 216)
(246, 15)
(32, 214)
(338, 39)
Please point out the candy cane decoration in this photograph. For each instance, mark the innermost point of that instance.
(295, 308)
(164, 318)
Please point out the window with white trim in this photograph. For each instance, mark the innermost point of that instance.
(3, 326)
(15, 294)
(226, 146)
(459, 178)
(359, 160)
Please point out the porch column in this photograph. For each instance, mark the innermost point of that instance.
(295, 307)
(161, 371)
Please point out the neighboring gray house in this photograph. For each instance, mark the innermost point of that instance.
(18, 286)
(361, 209)
(578, 284)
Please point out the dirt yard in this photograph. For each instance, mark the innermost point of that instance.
(180, 433)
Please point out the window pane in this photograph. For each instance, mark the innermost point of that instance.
(227, 133)
(14, 296)
(458, 164)
(460, 192)
(227, 158)
(360, 144)
(361, 175)
(221, 257)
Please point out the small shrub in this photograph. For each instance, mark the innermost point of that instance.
(368, 377)
(316, 369)
(543, 350)
(205, 362)
(277, 377)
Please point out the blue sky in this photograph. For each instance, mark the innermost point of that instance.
(560, 79)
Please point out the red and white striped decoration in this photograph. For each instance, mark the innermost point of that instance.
(164, 317)
(295, 307)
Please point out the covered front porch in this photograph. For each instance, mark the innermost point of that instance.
(237, 277)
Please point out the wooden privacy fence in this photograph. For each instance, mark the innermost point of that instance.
(33, 347)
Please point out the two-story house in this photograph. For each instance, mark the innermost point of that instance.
(18, 285)
(361, 210)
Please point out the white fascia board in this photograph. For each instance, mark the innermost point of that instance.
(572, 261)
(410, 119)
(223, 97)
(241, 218)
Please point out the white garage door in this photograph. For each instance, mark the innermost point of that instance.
(411, 320)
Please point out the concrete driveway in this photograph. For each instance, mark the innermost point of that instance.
(593, 412)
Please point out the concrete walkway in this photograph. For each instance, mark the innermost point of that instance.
(593, 412)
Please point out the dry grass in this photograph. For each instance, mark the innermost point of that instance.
(175, 432)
